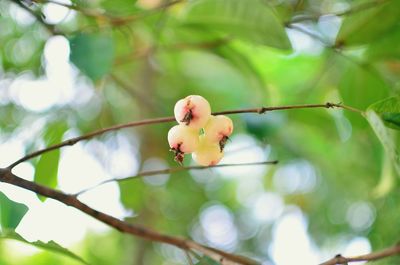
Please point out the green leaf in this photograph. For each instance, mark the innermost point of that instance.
(206, 261)
(46, 169)
(370, 24)
(120, 7)
(389, 111)
(387, 180)
(11, 212)
(93, 54)
(385, 137)
(50, 246)
(361, 86)
(250, 20)
(385, 48)
(243, 63)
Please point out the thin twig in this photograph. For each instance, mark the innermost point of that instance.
(311, 34)
(174, 170)
(388, 252)
(7, 176)
(88, 136)
(356, 9)
(336, 48)
(114, 20)
(38, 16)
(84, 11)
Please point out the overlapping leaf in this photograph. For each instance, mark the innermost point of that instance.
(47, 167)
(93, 54)
(50, 246)
(250, 20)
(11, 212)
(370, 24)
(389, 111)
(384, 137)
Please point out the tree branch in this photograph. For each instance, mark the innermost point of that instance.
(114, 20)
(7, 176)
(38, 16)
(339, 259)
(88, 136)
(358, 8)
(174, 170)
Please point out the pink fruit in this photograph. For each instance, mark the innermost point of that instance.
(218, 129)
(207, 153)
(182, 140)
(193, 111)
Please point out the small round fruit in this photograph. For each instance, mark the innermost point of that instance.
(183, 138)
(193, 111)
(207, 153)
(218, 129)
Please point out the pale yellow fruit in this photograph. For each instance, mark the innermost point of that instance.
(207, 153)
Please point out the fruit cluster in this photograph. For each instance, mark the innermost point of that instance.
(199, 133)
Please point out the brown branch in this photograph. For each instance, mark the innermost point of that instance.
(88, 136)
(174, 170)
(388, 252)
(7, 176)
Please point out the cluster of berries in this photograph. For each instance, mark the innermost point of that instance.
(199, 133)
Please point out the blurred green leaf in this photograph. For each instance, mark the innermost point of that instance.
(206, 261)
(385, 47)
(362, 80)
(11, 212)
(120, 7)
(250, 20)
(50, 246)
(389, 111)
(47, 167)
(387, 179)
(384, 137)
(93, 54)
(370, 24)
(242, 63)
(133, 194)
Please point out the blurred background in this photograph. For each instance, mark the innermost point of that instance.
(70, 67)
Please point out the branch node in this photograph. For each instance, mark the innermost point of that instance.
(262, 110)
(330, 105)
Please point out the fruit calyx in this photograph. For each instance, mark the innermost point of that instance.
(179, 155)
(223, 142)
(188, 117)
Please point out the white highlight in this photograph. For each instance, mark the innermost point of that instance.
(55, 13)
(56, 88)
(218, 227)
(291, 242)
(357, 246)
(242, 149)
